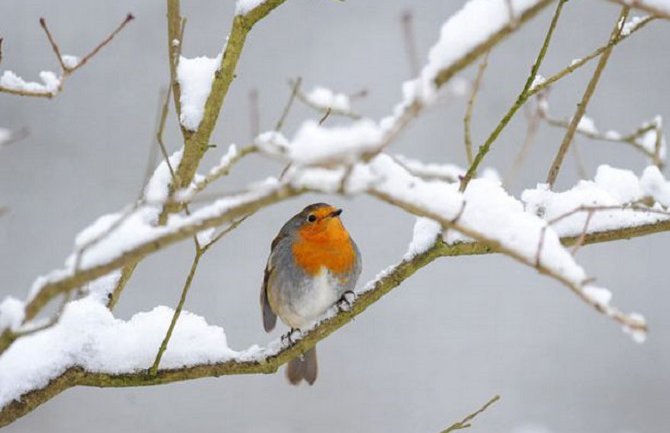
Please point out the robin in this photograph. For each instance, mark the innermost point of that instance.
(313, 263)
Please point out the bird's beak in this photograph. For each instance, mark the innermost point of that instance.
(335, 213)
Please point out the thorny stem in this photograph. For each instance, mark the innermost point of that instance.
(581, 106)
(521, 99)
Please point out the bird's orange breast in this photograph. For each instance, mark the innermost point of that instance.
(329, 247)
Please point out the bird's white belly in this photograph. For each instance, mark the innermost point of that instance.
(318, 295)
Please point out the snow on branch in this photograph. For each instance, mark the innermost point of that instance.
(51, 84)
(454, 219)
(660, 8)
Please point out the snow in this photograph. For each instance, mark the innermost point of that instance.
(598, 294)
(5, 135)
(611, 187)
(485, 209)
(658, 5)
(314, 144)
(654, 185)
(327, 99)
(637, 335)
(69, 61)
(50, 83)
(157, 189)
(426, 231)
(11, 313)
(446, 172)
(242, 7)
(630, 24)
(272, 143)
(622, 185)
(613, 135)
(650, 138)
(87, 335)
(195, 76)
(587, 126)
(101, 289)
(476, 21)
(538, 80)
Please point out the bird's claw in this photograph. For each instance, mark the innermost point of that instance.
(346, 301)
(289, 338)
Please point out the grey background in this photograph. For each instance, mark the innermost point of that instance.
(436, 348)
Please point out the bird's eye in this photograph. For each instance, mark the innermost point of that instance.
(311, 218)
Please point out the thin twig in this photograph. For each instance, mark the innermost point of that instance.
(521, 99)
(66, 70)
(579, 161)
(54, 46)
(465, 422)
(407, 21)
(580, 240)
(581, 106)
(328, 110)
(104, 42)
(325, 116)
(471, 102)
(533, 119)
(254, 114)
(584, 60)
(631, 139)
(295, 87)
(182, 299)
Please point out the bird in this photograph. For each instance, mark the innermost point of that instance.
(313, 264)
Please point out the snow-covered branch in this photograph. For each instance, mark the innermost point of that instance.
(660, 8)
(52, 84)
(40, 359)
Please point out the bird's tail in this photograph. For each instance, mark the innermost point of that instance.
(303, 367)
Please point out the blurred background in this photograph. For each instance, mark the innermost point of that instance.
(455, 334)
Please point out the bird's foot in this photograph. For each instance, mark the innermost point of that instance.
(346, 301)
(289, 338)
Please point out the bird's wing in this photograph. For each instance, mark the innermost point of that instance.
(269, 317)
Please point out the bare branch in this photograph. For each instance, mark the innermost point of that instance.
(254, 113)
(581, 106)
(48, 89)
(295, 87)
(54, 45)
(521, 99)
(407, 21)
(468, 112)
(648, 6)
(465, 422)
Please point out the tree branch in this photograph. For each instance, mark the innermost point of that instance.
(581, 106)
(520, 100)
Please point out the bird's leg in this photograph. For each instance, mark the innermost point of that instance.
(346, 301)
(289, 337)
